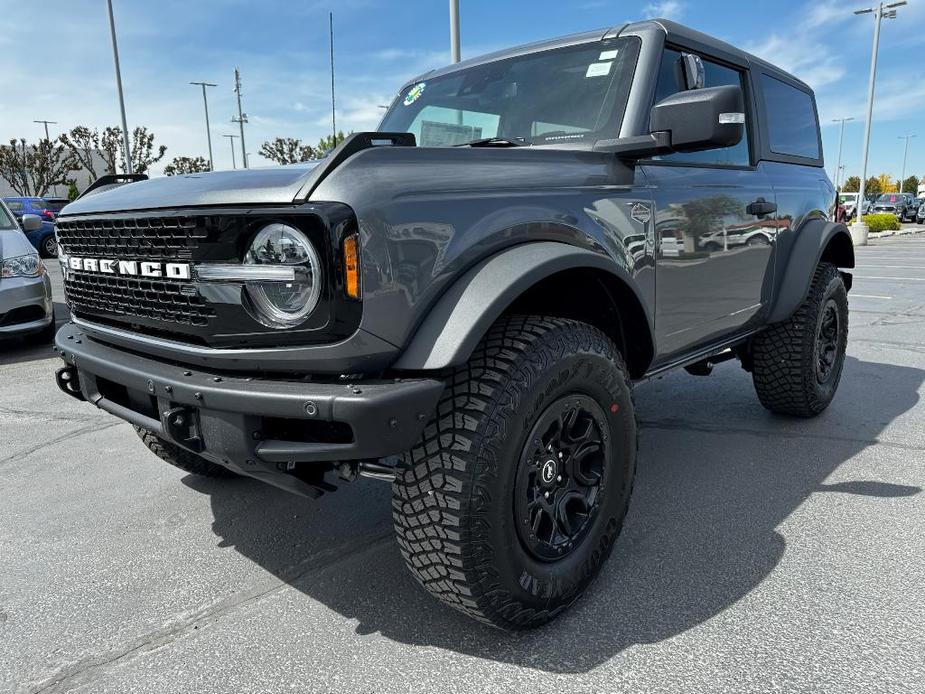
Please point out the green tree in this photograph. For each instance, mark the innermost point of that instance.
(287, 150)
(72, 192)
(852, 184)
(911, 185)
(872, 186)
(92, 146)
(34, 169)
(186, 165)
(328, 143)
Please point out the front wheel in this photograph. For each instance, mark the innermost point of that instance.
(512, 501)
(797, 363)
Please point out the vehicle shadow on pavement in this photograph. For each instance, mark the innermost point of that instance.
(714, 483)
(16, 350)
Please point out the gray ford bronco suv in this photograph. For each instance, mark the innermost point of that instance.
(461, 303)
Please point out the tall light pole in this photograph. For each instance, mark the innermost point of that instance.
(859, 229)
(454, 30)
(333, 112)
(231, 139)
(242, 117)
(46, 123)
(115, 56)
(841, 138)
(902, 178)
(205, 103)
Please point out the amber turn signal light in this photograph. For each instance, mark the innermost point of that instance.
(352, 266)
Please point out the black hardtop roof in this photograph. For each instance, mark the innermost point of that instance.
(675, 33)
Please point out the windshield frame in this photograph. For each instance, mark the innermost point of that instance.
(615, 98)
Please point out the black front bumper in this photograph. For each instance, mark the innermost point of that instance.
(264, 428)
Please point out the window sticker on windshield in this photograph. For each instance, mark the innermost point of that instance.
(597, 70)
(414, 93)
(608, 55)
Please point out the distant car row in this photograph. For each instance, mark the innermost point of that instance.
(47, 210)
(905, 206)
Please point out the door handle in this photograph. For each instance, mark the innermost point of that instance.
(761, 207)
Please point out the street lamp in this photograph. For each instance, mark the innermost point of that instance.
(205, 103)
(231, 139)
(902, 178)
(54, 186)
(454, 30)
(859, 229)
(841, 138)
(115, 56)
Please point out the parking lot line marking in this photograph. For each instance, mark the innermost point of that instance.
(868, 296)
(895, 267)
(900, 279)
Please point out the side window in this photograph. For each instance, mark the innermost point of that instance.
(792, 125)
(671, 81)
(15, 206)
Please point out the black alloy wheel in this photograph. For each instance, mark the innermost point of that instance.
(827, 342)
(560, 477)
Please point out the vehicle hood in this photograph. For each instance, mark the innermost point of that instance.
(272, 185)
(13, 243)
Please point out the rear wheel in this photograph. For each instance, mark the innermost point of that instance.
(49, 246)
(797, 363)
(512, 501)
(180, 457)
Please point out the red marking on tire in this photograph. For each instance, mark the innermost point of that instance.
(614, 408)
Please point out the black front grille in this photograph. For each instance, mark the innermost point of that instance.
(151, 238)
(158, 300)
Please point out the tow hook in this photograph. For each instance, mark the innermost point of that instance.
(69, 382)
(182, 425)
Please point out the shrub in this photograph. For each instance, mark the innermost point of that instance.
(882, 222)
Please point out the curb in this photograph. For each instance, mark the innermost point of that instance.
(901, 232)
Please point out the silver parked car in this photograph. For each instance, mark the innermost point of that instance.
(26, 308)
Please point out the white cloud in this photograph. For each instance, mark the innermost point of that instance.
(811, 61)
(826, 13)
(666, 9)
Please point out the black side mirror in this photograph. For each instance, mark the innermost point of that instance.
(31, 222)
(688, 121)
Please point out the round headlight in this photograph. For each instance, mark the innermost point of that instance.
(288, 301)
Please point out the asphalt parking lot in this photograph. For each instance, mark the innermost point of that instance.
(760, 553)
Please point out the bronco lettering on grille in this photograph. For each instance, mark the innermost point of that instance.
(131, 268)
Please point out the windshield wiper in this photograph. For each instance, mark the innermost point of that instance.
(495, 142)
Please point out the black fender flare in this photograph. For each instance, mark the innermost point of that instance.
(815, 238)
(463, 314)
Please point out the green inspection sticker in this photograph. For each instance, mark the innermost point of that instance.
(414, 93)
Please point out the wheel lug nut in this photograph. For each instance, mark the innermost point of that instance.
(560, 455)
(545, 495)
(559, 478)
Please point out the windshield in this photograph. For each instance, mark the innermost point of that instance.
(5, 221)
(848, 197)
(570, 94)
(889, 197)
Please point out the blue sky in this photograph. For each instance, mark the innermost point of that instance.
(57, 61)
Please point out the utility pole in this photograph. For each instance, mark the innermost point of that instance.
(54, 187)
(859, 229)
(454, 30)
(333, 111)
(231, 139)
(205, 103)
(242, 117)
(902, 178)
(115, 55)
(841, 138)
